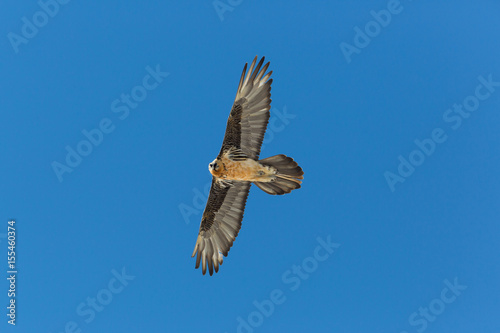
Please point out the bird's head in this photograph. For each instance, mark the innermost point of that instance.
(214, 167)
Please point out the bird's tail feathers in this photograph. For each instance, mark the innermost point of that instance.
(287, 178)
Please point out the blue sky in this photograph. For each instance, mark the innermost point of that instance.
(391, 108)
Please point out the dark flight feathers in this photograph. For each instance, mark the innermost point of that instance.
(220, 223)
(249, 115)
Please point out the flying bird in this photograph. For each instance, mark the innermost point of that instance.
(238, 166)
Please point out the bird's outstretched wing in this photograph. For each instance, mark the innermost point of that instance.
(249, 115)
(220, 223)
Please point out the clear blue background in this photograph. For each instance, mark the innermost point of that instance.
(121, 207)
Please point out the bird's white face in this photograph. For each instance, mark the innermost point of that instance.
(214, 166)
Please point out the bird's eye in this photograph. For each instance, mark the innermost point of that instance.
(216, 166)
